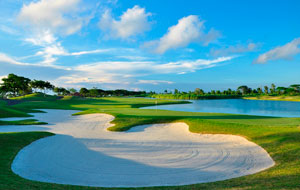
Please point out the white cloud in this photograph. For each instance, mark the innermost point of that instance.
(133, 57)
(154, 82)
(131, 23)
(185, 66)
(8, 59)
(47, 19)
(56, 16)
(51, 52)
(4, 58)
(42, 38)
(127, 72)
(90, 52)
(286, 51)
(33, 71)
(114, 72)
(239, 48)
(1, 77)
(188, 30)
(8, 30)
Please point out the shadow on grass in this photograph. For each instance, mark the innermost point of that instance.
(287, 142)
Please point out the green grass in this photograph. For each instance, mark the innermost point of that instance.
(279, 136)
(23, 122)
(36, 97)
(279, 98)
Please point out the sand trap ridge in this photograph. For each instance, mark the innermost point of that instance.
(85, 153)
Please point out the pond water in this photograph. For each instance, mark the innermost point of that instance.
(238, 106)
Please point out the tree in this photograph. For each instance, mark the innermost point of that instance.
(35, 85)
(3, 91)
(56, 90)
(281, 90)
(94, 92)
(61, 91)
(266, 89)
(296, 87)
(229, 91)
(199, 91)
(47, 86)
(244, 89)
(273, 88)
(65, 92)
(176, 91)
(42, 85)
(73, 90)
(259, 90)
(16, 84)
(84, 91)
(254, 91)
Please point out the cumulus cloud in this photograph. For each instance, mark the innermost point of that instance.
(286, 51)
(131, 23)
(47, 20)
(239, 48)
(57, 16)
(42, 38)
(188, 30)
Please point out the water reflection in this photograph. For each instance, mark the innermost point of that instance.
(239, 106)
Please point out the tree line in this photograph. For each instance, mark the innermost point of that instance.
(14, 85)
(94, 92)
(241, 91)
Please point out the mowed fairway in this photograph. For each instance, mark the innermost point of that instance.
(280, 137)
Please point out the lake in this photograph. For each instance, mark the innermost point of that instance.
(238, 106)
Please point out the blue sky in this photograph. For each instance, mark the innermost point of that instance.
(152, 45)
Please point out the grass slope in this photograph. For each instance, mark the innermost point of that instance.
(23, 122)
(279, 136)
(279, 98)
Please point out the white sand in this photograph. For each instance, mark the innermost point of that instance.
(85, 153)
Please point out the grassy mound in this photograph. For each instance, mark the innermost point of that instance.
(36, 97)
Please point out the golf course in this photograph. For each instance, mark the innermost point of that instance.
(267, 156)
(149, 95)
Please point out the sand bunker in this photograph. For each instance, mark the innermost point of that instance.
(84, 153)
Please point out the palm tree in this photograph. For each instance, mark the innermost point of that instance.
(273, 88)
(266, 89)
